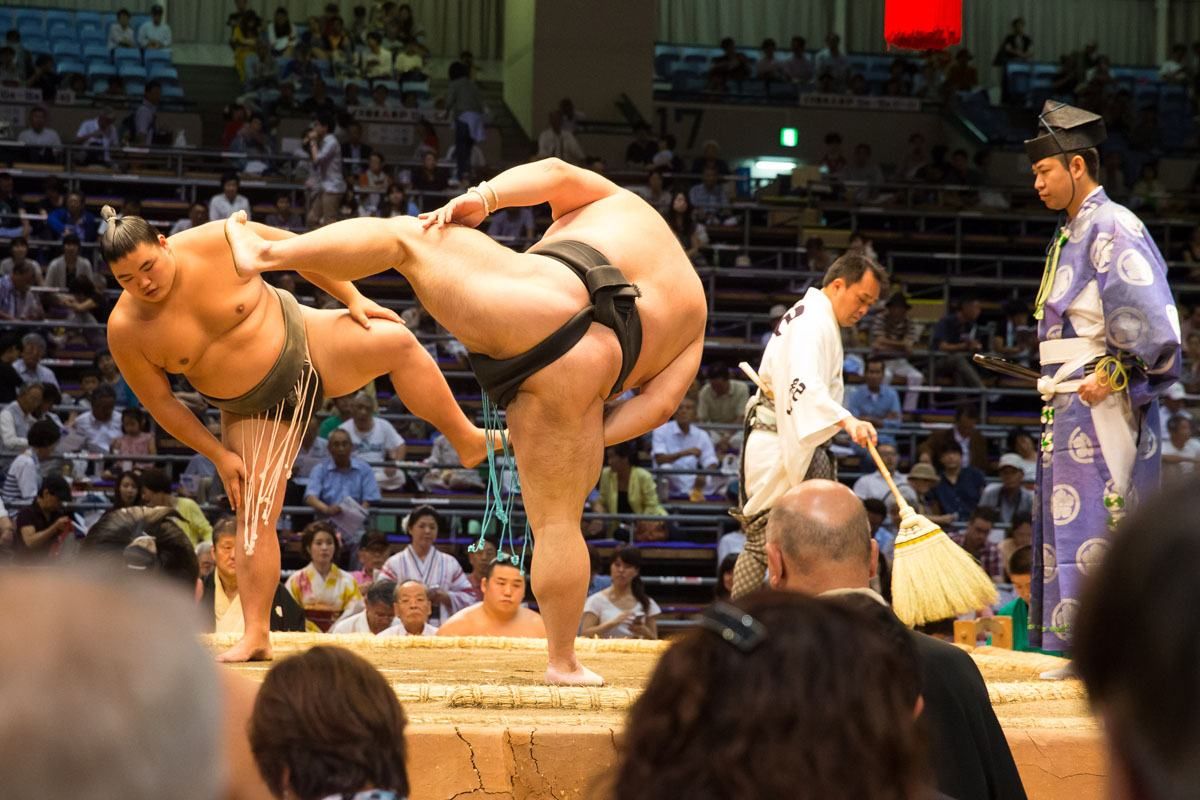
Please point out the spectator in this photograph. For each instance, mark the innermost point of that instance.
(321, 588)
(375, 180)
(626, 488)
(623, 610)
(17, 417)
(341, 476)
(126, 491)
(729, 66)
(380, 99)
(722, 399)
(465, 106)
(864, 174)
(134, 440)
(343, 409)
(156, 491)
(12, 65)
(244, 40)
(1149, 193)
(409, 63)
(692, 235)
(19, 254)
(344, 740)
(500, 612)
(1019, 569)
(145, 118)
(683, 446)
(282, 34)
(1018, 535)
(40, 529)
(1015, 47)
(815, 545)
(484, 553)
(832, 62)
(961, 76)
(220, 602)
(513, 224)
(378, 614)
(876, 402)
(154, 34)
(375, 441)
(20, 487)
(229, 200)
(960, 487)
(99, 135)
(412, 609)
(42, 144)
(375, 61)
(640, 152)
(205, 559)
(74, 218)
(816, 257)
(107, 367)
(554, 142)
(1018, 339)
(893, 336)
(397, 203)
(915, 159)
(440, 573)
(571, 118)
(833, 162)
(372, 553)
(1021, 442)
(1009, 497)
(975, 540)
(710, 198)
(1174, 69)
(965, 433)
(355, 152)
(327, 182)
(956, 336)
(872, 484)
(257, 144)
(120, 34)
(303, 70)
(429, 178)
(17, 299)
(799, 68)
(653, 191)
(665, 157)
(197, 216)
(1180, 451)
(339, 47)
(69, 266)
(768, 67)
(29, 366)
(285, 216)
(445, 477)
(100, 427)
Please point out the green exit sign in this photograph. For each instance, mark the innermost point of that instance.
(789, 137)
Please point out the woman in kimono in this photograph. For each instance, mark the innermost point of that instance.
(322, 589)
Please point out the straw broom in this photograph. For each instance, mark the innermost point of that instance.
(932, 577)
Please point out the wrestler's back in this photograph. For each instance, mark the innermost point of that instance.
(223, 331)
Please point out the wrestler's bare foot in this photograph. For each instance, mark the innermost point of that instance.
(245, 245)
(473, 449)
(579, 675)
(248, 649)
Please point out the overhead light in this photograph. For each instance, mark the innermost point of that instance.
(775, 166)
(789, 137)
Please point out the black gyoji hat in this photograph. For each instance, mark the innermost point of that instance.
(1063, 129)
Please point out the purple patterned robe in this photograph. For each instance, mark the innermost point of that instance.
(1109, 292)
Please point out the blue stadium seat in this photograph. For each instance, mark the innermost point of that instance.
(173, 91)
(163, 72)
(91, 32)
(54, 16)
(6, 19)
(89, 18)
(29, 18)
(135, 71)
(664, 63)
(100, 69)
(64, 47)
(95, 51)
(392, 86)
(127, 55)
(150, 57)
(135, 88)
(29, 30)
(35, 44)
(98, 85)
(419, 87)
(60, 29)
(70, 66)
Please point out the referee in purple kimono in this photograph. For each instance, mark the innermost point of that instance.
(1108, 334)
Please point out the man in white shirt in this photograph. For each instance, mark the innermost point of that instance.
(799, 68)
(375, 441)
(42, 143)
(197, 216)
(681, 445)
(17, 418)
(99, 135)
(554, 141)
(833, 62)
(154, 34)
(100, 426)
(872, 485)
(1173, 406)
(1009, 497)
(21, 481)
(379, 614)
(29, 366)
(222, 205)
(1180, 452)
(327, 181)
(412, 610)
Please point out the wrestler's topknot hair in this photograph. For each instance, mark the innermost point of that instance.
(123, 234)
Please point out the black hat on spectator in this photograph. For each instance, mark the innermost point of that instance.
(56, 485)
(1064, 129)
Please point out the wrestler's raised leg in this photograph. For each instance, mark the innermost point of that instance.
(268, 452)
(348, 356)
(559, 453)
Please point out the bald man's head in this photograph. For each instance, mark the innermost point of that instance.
(819, 538)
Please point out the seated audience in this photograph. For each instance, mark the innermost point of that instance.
(344, 740)
(724, 588)
(1136, 651)
(500, 612)
(126, 491)
(513, 224)
(197, 216)
(42, 143)
(397, 204)
(120, 33)
(692, 235)
(24, 476)
(379, 612)
(341, 476)
(623, 610)
(39, 530)
(372, 553)
(1180, 450)
(75, 218)
(285, 216)
(872, 484)
(101, 425)
(440, 573)
(876, 402)
(1009, 497)
(711, 197)
(156, 491)
(722, 399)
(484, 553)
(965, 433)
(817, 542)
(626, 488)
(957, 337)
(641, 150)
(29, 366)
(412, 610)
(154, 34)
(62, 271)
(18, 256)
(555, 142)
(18, 301)
(975, 540)
(321, 588)
(124, 700)
(729, 66)
(799, 68)
(222, 205)
(1019, 569)
(99, 135)
(960, 487)
(206, 559)
(220, 603)
(1018, 535)
(683, 446)
(375, 441)
(134, 440)
(893, 336)
(717, 719)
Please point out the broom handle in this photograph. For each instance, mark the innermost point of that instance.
(887, 476)
(758, 381)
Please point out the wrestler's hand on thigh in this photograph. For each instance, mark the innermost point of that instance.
(466, 209)
(232, 470)
(363, 310)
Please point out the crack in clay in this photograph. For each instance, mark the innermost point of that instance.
(474, 766)
(536, 766)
